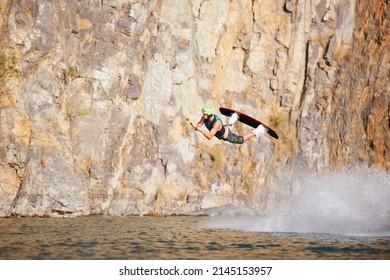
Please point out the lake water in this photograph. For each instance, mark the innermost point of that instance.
(151, 238)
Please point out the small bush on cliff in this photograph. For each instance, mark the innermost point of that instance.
(8, 65)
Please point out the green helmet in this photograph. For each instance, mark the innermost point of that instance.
(208, 110)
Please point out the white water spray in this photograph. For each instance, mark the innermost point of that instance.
(354, 201)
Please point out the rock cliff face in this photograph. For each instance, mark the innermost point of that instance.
(94, 96)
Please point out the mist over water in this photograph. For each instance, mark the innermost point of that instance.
(353, 201)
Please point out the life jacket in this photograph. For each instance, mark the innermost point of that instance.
(209, 125)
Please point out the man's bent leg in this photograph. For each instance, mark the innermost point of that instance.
(234, 138)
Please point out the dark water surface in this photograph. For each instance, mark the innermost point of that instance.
(151, 238)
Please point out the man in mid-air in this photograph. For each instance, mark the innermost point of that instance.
(216, 128)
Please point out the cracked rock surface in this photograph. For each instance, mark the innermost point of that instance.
(94, 97)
